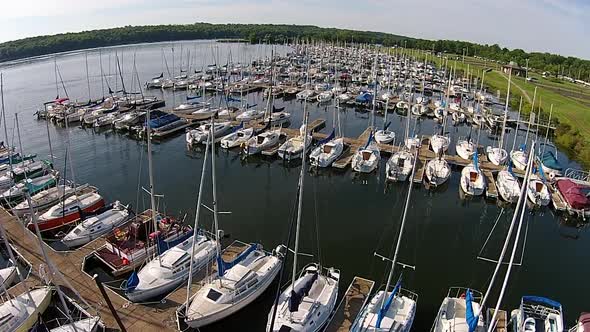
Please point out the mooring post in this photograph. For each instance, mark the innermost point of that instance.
(109, 303)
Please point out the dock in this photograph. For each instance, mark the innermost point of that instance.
(501, 320)
(350, 306)
(491, 188)
(556, 199)
(135, 317)
(353, 145)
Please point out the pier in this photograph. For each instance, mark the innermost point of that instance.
(350, 306)
(134, 316)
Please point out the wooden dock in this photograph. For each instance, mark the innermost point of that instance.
(556, 199)
(491, 188)
(501, 320)
(159, 316)
(354, 300)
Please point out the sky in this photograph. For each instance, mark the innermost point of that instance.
(556, 26)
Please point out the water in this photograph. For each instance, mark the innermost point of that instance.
(355, 215)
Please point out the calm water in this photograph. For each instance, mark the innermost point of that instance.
(356, 216)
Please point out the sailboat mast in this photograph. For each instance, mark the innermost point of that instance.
(299, 202)
(401, 232)
(506, 110)
(4, 119)
(517, 125)
(546, 131)
(151, 175)
(214, 183)
(196, 224)
(374, 93)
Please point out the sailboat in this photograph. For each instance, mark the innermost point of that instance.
(508, 185)
(307, 303)
(390, 310)
(367, 157)
(401, 163)
(237, 137)
(237, 283)
(168, 270)
(20, 314)
(34, 186)
(328, 149)
(49, 197)
(472, 180)
(294, 147)
(384, 136)
(69, 210)
(437, 171)
(89, 324)
(456, 312)
(439, 143)
(200, 134)
(497, 155)
(537, 190)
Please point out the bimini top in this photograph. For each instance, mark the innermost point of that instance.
(542, 300)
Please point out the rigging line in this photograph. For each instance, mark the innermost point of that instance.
(490, 234)
(317, 219)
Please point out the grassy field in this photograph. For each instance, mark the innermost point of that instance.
(571, 102)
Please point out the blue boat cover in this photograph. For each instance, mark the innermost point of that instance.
(230, 99)
(550, 161)
(364, 97)
(164, 245)
(158, 77)
(369, 141)
(250, 106)
(37, 188)
(132, 282)
(542, 300)
(301, 290)
(329, 138)
(238, 127)
(192, 97)
(476, 161)
(223, 266)
(470, 316)
(385, 126)
(277, 109)
(387, 303)
(522, 147)
(162, 120)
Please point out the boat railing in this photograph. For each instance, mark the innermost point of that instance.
(577, 174)
(538, 310)
(461, 292)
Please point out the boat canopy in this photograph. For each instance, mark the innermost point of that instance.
(364, 97)
(541, 300)
(369, 140)
(132, 282)
(223, 266)
(550, 161)
(162, 119)
(329, 138)
(301, 290)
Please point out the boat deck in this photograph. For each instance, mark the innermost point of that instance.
(135, 317)
(354, 299)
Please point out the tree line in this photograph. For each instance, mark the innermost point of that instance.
(280, 33)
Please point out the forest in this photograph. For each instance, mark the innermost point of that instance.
(281, 33)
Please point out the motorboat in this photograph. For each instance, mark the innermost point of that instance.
(537, 191)
(129, 246)
(550, 164)
(164, 274)
(399, 166)
(262, 141)
(68, 211)
(537, 313)
(96, 226)
(307, 304)
(235, 285)
(575, 193)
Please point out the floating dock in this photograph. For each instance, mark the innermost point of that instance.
(350, 306)
(158, 316)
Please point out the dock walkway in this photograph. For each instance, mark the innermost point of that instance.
(351, 304)
(135, 317)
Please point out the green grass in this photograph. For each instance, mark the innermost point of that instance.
(572, 113)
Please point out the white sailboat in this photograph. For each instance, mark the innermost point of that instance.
(385, 136)
(200, 134)
(472, 180)
(89, 324)
(237, 283)
(390, 310)
(238, 137)
(497, 155)
(294, 147)
(508, 186)
(262, 141)
(456, 312)
(19, 314)
(537, 191)
(367, 157)
(307, 303)
(437, 171)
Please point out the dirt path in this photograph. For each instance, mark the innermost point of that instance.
(522, 91)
